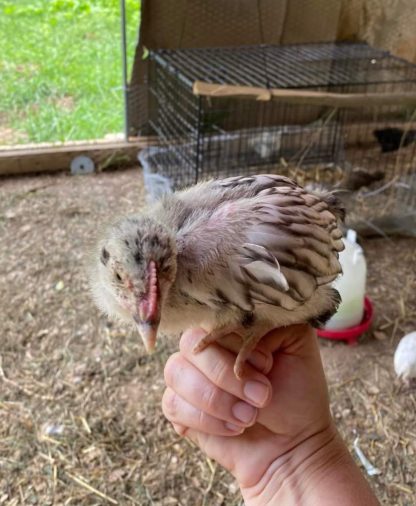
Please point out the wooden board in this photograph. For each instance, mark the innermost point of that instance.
(306, 97)
(57, 157)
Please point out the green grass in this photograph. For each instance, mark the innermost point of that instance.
(60, 68)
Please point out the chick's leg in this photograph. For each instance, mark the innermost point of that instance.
(250, 342)
(214, 336)
(250, 339)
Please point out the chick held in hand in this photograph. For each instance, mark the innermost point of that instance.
(241, 255)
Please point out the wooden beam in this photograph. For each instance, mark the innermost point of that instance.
(307, 97)
(27, 159)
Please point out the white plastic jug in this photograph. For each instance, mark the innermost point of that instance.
(351, 285)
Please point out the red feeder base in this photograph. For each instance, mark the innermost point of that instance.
(351, 334)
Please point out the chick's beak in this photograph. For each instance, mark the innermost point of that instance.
(147, 316)
(148, 333)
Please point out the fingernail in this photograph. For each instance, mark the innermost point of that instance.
(233, 428)
(258, 360)
(244, 412)
(256, 392)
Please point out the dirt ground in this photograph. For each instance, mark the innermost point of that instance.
(80, 417)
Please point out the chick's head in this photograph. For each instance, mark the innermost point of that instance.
(134, 268)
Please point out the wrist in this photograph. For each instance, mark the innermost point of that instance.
(316, 471)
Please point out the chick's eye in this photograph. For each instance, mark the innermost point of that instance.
(104, 257)
(118, 277)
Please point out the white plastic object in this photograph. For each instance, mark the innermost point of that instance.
(156, 184)
(82, 165)
(351, 285)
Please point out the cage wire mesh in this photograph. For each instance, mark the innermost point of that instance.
(368, 150)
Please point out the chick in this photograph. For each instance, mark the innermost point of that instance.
(266, 144)
(405, 358)
(242, 255)
(392, 139)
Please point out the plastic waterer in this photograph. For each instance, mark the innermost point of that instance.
(351, 285)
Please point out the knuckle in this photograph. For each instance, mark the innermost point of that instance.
(220, 372)
(173, 364)
(203, 420)
(189, 339)
(185, 341)
(211, 398)
(170, 404)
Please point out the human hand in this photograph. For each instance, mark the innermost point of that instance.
(203, 397)
(273, 431)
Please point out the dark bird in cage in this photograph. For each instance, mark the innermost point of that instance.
(359, 178)
(391, 139)
(240, 255)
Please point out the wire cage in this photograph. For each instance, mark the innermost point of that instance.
(231, 127)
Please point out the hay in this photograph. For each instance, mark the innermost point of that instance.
(80, 417)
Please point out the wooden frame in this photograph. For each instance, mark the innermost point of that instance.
(28, 159)
(307, 97)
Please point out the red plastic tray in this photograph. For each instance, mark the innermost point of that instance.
(351, 334)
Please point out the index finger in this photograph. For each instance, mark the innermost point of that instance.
(288, 338)
(217, 363)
